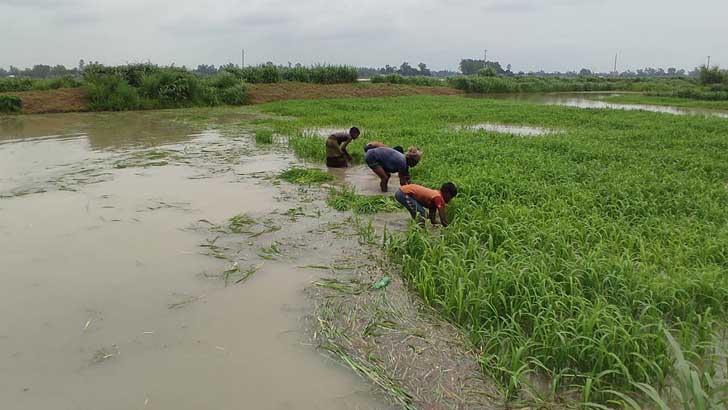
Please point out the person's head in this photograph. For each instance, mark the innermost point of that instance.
(448, 191)
(354, 133)
(413, 155)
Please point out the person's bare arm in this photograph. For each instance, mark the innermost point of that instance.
(432, 216)
(343, 149)
(443, 216)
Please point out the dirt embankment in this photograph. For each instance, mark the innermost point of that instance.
(51, 101)
(75, 99)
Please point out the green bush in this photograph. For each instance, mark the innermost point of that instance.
(169, 88)
(10, 103)
(228, 89)
(110, 92)
(712, 75)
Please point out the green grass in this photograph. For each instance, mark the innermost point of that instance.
(346, 199)
(305, 176)
(569, 255)
(264, 136)
(670, 101)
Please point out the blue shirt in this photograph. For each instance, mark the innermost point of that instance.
(390, 160)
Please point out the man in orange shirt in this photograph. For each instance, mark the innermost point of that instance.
(417, 198)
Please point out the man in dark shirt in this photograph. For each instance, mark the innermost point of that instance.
(336, 154)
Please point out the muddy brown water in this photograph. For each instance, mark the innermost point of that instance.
(591, 100)
(110, 298)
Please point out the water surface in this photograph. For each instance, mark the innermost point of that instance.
(111, 298)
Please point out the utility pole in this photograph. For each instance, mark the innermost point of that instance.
(242, 55)
(485, 58)
(615, 63)
(708, 66)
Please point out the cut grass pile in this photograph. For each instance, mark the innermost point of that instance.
(305, 176)
(346, 199)
(569, 255)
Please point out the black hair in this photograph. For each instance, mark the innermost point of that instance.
(399, 149)
(354, 130)
(449, 188)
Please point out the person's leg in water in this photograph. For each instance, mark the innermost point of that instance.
(337, 162)
(416, 210)
(383, 177)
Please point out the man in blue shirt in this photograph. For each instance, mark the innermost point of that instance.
(385, 161)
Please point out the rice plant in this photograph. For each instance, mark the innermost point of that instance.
(568, 256)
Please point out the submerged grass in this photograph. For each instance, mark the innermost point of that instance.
(568, 256)
(305, 176)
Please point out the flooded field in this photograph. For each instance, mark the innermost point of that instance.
(152, 260)
(592, 100)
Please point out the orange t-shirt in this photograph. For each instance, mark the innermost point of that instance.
(429, 198)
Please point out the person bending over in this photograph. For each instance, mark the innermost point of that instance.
(336, 154)
(385, 161)
(377, 144)
(417, 198)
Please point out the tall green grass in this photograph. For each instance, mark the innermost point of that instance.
(568, 256)
(319, 74)
(416, 80)
(528, 84)
(31, 84)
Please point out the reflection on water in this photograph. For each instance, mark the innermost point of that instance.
(110, 298)
(522, 130)
(592, 100)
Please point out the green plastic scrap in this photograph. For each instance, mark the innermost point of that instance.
(381, 283)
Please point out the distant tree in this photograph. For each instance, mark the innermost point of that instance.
(468, 66)
(4, 72)
(672, 71)
(424, 70)
(81, 65)
(407, 70)
(204, 69)
(585, 72)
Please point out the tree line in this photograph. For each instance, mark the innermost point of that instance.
(466, 67)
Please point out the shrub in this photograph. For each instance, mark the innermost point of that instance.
(175, 88)
(228, 89)
(111, 93)
(487, 72)
(264, 136)
(10, 103)
(712, 75)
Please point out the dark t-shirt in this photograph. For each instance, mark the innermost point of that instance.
(390, 160)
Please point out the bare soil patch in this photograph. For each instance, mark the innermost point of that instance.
(52, 101)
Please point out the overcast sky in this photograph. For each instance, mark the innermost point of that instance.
(529, 34)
